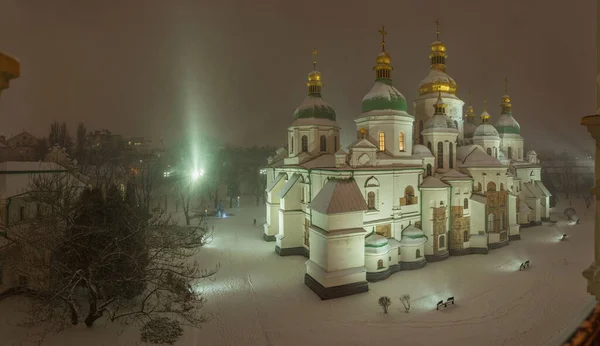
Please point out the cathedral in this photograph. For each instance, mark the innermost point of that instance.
(411, 189)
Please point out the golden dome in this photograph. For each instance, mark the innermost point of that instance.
(383, 58)
(314, 77)
(438, 47)
(438, 80)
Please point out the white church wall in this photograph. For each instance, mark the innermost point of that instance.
(477, 220)
(320, 220)
(344, 221)
(291, 229)
(371, 262)
(528, 174)
(392, 126)
(513, 141)
(409, 253)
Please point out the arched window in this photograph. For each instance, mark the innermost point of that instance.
(418, 253)
(495, 152)
(466, 203)
(478, 186)
(429, 146)
(372, 182)
(420, 131)
(501, 221)
(371, 200)
(440, 154)
(509, 152)
(491, 186)
(401, 141)
(304, 144)
(323, 144)
(292, 145)
(465, 236)
(409, 195)
(381, 141)
(490, 222)
(501, 187)
(380, 264)
(489, 151)
(451, 154)
(335, 144)
(428, 169)
(442, 242)
(456, 124)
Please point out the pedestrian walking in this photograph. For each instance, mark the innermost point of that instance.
(254, 222)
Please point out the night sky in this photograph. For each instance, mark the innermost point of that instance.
(237, 68)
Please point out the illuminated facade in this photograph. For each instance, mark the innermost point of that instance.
(409, 190)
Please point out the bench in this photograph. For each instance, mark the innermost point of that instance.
(446, 303)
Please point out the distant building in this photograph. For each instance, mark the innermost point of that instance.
(24, 147)
(104, 139)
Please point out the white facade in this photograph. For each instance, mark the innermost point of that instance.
(385, 204)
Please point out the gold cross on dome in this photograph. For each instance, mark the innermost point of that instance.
(437, 29)
(314, 54)
(505, 85)
(383, 33)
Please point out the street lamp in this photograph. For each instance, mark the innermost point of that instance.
(197, 174)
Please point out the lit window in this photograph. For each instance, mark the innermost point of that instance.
(381, 141)
(401, 141)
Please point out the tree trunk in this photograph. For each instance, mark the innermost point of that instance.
(385, 308)
(91, 318)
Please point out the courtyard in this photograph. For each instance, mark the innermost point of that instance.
(259, 298)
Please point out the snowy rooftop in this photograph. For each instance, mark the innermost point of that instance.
(363, 143)
(453, 174)
(419, 150)
(474, 156)
(486, 130)
(412, 236)
(437, 76)
(433, 183)
(339, 196)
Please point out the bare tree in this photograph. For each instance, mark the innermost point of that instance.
(90, 255)
(405, 300)
(385, 303)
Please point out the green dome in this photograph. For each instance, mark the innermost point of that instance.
(507, 124)
(383, 96)
(314, 107)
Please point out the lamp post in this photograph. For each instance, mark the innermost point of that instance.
(592, 122)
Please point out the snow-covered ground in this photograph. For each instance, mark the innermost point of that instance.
(259, 298)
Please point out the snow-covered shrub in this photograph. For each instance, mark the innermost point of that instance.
(162, 331)
(405, 299)
(385, 303)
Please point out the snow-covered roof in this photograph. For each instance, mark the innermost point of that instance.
(272, 184)
(453, 175)
(433, 183)
(394, 244)
(30, 167)
(314, 121)
(363, 143)
(435, 76)
(376, 244)
(412, 236)
(314, 106)
(486, 130)
(321, 161)
(382, 96)
(341, 152)
(421, 151)
(533, 190)
(531, 152)
(469, 128)
(289, 184)
(440, 122)
(478, 198)
(543, 187)
(475, 156)
(523, 207)
(339, 196)
(507, 124)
